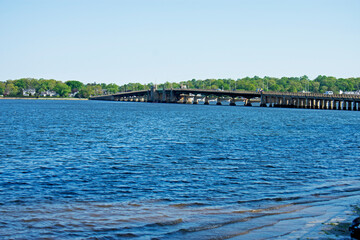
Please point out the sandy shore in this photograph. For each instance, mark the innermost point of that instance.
(12, 98)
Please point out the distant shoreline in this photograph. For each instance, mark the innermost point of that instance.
(22, 98)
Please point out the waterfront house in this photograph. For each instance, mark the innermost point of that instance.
(29, 92)
(48, 93)
(73, 94)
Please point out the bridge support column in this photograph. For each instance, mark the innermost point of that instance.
(218, 101)
(273, 101)
(276, 101)
(321, 101)
(326, 103)
(181, 100)
(233, 103)
(283, 102)
(316, 104)
(292, 102)
(354, 105)
(196, 100)
(349, 106)
(302, 103)
(206, 102)
(312, 104)
(189, 100)
(358, 106)
(263, 101)
(248, 103)
(339, 105)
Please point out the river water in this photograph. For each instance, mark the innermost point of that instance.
(114, 170)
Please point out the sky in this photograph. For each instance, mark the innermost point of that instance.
(122, 41)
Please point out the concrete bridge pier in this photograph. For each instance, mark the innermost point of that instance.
(339, 105)
(247, 102)
(189, 100)
(354, 105)
(262, 101)
(310, 103)
(218, 101)
(303, 103)
(196, 100)
(181, 100)
(293, 102)
(272, 101)
(282, 101)
(349, 106)
(206, 102)
(316, 104)
(233, 102)
(277, 102)
(313, 103)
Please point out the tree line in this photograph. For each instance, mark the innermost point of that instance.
(320, 84)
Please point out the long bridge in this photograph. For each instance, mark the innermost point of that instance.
(267, 99)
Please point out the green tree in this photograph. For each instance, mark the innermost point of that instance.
(112, 88)
(62, 89)
(2, 88)
(74, 85)
(11, 89)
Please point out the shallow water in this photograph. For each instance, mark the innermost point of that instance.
(92, 169)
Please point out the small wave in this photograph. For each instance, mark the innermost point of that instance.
(126, 235)
(32, 220)
(276, 199)
(183, 205)
(166, 223)
(104, 205)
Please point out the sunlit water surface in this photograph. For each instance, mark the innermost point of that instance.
(110, 170)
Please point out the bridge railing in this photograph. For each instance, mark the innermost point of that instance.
(312, 95)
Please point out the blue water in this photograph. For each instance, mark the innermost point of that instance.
(113, 170)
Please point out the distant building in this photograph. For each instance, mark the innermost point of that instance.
(48, 93)
(29, 92)
(73, 94)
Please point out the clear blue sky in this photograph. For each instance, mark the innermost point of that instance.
(121, 41)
